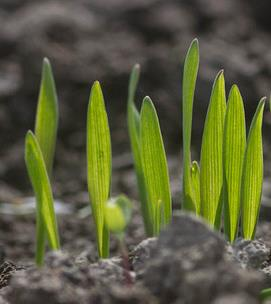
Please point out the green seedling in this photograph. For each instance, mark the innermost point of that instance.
(46, 219)
(149, 161)
(252, 178)
(230, 172)
(98, 164)
(154, 165)
(118, 212)
(133, 119)
(191, 65)
(45, 135)
(234, 145)
(211, 174)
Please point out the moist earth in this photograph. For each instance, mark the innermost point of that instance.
(99, 39)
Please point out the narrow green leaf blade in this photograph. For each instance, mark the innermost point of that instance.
(47, 116)
(189, 82)
(211, 175)
(98, 164)
(252, 178)
(133, 127)
(195, 182)
(154, 165)
(46, 218)
(233, 154)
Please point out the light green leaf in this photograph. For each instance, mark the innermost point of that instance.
(189, 82)
(47, 116)
(98, 164)
(211, 174)
(252, 177)
(46, 219)
(233, 154)
(195, 182)
(118, 214)
(133, 126)
(154, 165)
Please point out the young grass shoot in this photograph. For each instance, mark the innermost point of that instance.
(98, 165)
(190, 189)
(231, 169)
(39, 155)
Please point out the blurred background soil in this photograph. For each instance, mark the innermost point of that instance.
(102, 39)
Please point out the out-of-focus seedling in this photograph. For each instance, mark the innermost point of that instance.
(118, 213)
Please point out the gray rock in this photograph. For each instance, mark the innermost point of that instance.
(141, 254)
(189, 265)
(250, 254)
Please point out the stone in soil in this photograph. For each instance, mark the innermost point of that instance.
(190, 265)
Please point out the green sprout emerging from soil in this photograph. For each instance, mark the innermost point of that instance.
(231, 169)
(118, 212)
(39, 155)
(99, 165)
(149, 161)
(227, 180)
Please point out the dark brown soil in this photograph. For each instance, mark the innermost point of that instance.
(89, 40)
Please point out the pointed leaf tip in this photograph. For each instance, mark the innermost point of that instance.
(147, 100)
(96, 84)
(136, 67)
(194, 43)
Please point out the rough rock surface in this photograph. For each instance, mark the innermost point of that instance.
(141, 254)
(254, 254)
(189, 265)
(251, 254)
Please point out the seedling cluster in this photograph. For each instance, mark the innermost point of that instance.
(228, 177)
